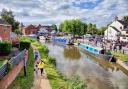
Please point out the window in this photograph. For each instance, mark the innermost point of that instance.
(121, 27)
(95, 50)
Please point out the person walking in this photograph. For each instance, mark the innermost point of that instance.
(36, 56)
(120, 47)
(41, 66)
(25, 62)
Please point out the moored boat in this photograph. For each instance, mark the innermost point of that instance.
(62, 40)
(96, 51)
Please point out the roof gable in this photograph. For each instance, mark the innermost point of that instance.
(123, 23)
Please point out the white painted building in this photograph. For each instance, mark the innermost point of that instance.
(118, 29)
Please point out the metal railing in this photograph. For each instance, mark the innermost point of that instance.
(3, 70)
(13, 61)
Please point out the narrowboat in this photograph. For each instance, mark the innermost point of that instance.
(95, 51)
(62, 40)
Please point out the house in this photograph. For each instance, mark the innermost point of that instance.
(45, 29)
(117, 30)
(5, 30)
(30, 29)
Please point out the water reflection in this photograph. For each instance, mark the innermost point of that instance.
(71, 52)
(97, 74)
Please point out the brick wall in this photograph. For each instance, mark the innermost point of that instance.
(31, 29)
(5, 32)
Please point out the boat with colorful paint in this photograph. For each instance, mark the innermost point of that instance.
(95, 51)
(62, 40)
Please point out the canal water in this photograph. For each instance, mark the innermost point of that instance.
(96, 73)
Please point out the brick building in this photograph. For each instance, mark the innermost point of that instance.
(45, 29)
(5, 30)
(30, 29)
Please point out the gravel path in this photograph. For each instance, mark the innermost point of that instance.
(40, 82)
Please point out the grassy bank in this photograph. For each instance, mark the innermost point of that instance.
(121, 56)
(57, 80)
(22, 82)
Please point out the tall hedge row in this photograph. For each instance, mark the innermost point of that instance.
(5, 48)
(24, 43)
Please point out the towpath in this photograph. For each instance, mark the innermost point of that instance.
(40, 82)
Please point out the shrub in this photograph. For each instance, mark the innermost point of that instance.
(76, 83)
(51, 60)
(5, 48)
(24, 45)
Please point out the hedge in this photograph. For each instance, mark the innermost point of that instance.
(24, 45)
(5, 48)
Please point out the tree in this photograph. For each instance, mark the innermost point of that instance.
(74, 26)
(9, 18)
(91, 28)
(60, 27)
(101, 31)
(126, 18)
(55, 27)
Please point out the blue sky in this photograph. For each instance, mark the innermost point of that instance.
(100, 12)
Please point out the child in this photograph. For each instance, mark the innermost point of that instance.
(36, 69)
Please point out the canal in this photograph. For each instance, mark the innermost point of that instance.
(96, 73)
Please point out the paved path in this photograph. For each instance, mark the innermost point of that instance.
(40, 82)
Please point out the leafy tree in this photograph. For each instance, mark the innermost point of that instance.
(92, 28)
(101, 31)
(55, 27)
(126, 18)
(9, 17)
(60, 27)
(74, 26)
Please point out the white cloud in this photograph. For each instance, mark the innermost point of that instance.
(55, 11)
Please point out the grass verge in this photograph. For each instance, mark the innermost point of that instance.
(22, 82)
(1, 63)
(121, 56)
(57, 80)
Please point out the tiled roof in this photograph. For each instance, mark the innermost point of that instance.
(3, 22)
(123, 23)
(31, 27)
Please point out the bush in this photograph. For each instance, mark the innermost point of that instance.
(76, 83)
(51, 60)
(5, 48)
(24, 45)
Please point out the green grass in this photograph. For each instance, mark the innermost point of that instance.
(121, 56)
(22, 82)
(1, 63)
(57, 80)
